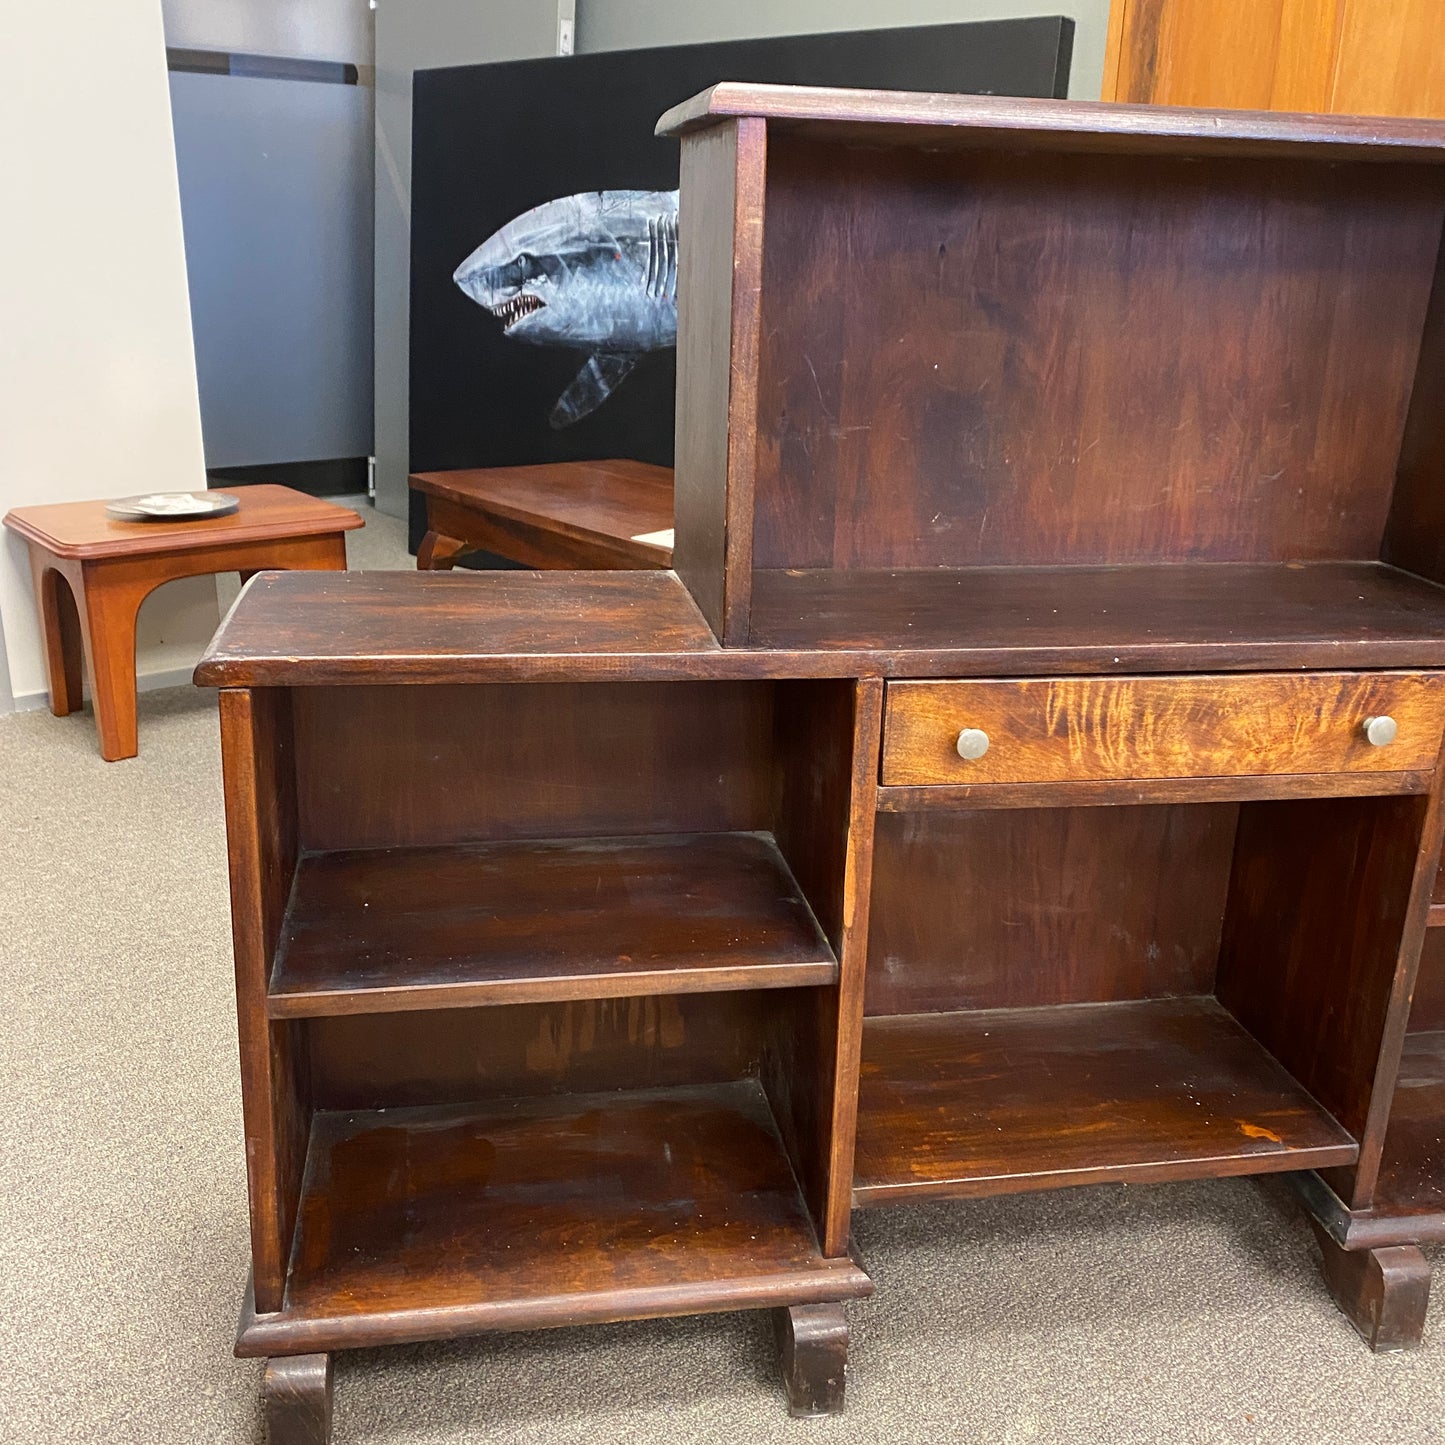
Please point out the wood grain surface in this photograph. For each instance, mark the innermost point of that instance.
(1046, 906)
(559, 515)
(920, 119)
(951, 390)
(431, 1221)
(520, 922)
(258, 762)
(82, 530)
(1002, 1101)
(1322, 933)
(403, 766)
(1081, 729)
(314, 629)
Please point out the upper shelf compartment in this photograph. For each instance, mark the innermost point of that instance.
(921, 334)
(374, 930)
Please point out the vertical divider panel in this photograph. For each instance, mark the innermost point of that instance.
(719, 293)
(853, 954)
(827, 769)
(1415, 531)
(258, 768)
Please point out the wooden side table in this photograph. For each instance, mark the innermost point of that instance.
(568, 515)
(110, 567)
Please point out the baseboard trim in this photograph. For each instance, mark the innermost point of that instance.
(145, 682)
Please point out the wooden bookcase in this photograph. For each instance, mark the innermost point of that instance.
(1028, 777)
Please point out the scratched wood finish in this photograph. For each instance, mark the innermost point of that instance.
(1166, 727)
(1316, 953)
(1240, 498)
(456, 1056)
(925, 121)
(1142, 618)
(520, 922)
(813, 1341)
(296, 1400)
(951, 392)
(1046, 906)
(399, 766)
(258, 762)
(370, 628)
(1003, 1101)
(414, 1215)
(1383, 1292)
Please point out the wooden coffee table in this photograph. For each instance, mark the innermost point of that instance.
(110, 567)
(568, 515)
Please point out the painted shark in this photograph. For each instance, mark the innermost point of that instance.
(595, 272)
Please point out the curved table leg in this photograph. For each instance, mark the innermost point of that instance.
(60, 632)
(108, 607)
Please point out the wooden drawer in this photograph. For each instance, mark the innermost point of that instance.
(1049, 730)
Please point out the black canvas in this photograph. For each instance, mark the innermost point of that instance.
(490, 142)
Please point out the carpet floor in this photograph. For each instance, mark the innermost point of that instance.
(1186, 1313)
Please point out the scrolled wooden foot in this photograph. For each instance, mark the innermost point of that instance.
(1383, 1292)
(813, 1340)
(296, 1400)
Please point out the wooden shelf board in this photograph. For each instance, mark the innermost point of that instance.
(1008, 1100)
(383, 929)
(1436, 917)
(422, 1223)
(372, 628)
(1308, 610)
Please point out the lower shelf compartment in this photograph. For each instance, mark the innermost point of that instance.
(422, 1223)
(1008, 1100)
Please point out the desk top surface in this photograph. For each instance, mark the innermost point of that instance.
(82, 529)
(372, 628)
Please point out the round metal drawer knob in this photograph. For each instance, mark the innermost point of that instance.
(973, 743)
(1378, 731)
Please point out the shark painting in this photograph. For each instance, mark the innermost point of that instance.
(596, 273)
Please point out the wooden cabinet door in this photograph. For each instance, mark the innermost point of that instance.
(1366, 57)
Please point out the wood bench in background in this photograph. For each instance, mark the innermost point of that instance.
(567, 515)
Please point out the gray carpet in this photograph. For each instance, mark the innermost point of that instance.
(1189, 1313)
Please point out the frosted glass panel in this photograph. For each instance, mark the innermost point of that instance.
(276, 200)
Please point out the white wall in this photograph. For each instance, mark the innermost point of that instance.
(414, 35)
(97, 376)
(628, 24)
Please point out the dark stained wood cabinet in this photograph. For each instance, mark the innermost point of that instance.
(1028, 777)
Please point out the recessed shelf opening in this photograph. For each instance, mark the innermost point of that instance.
(1072, 995)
